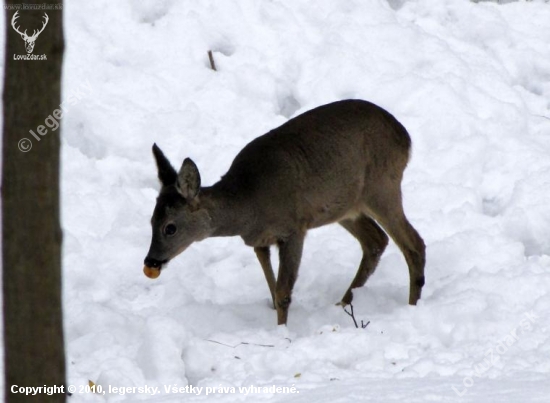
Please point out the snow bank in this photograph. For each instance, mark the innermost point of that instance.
(471, 83)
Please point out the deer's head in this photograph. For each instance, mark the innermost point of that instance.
(29, 40)
(178, 219)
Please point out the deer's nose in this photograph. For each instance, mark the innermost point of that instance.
(151, 262)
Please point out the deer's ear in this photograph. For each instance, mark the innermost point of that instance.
(189, 180)
(167, 174)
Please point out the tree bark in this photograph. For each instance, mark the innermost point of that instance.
(31, 233)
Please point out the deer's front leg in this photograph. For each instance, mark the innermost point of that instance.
(290, 254)
(262, 252)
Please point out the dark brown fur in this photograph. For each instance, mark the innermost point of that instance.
(342, 162)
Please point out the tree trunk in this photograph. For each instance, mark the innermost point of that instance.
(31, 233)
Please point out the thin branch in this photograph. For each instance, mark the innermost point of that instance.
(241, 343)
(351, 313)
(245, 343)
(211, 58)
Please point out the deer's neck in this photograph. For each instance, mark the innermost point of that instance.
(230, 217)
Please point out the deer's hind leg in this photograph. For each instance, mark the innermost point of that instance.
(373, 242)
(387, 208)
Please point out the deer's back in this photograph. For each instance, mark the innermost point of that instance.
(316, 167)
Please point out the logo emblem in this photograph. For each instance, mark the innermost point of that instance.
(29, 40)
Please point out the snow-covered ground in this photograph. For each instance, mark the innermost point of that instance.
(470, 81)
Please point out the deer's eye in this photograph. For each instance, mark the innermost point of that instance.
(170, 229)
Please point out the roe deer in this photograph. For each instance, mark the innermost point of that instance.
(342, 162)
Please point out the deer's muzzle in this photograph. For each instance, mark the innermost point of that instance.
(151, 262)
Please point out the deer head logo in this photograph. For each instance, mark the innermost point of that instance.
(29, 40)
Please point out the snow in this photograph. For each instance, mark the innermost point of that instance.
(471, 83)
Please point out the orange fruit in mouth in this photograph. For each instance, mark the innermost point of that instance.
(151, 272)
